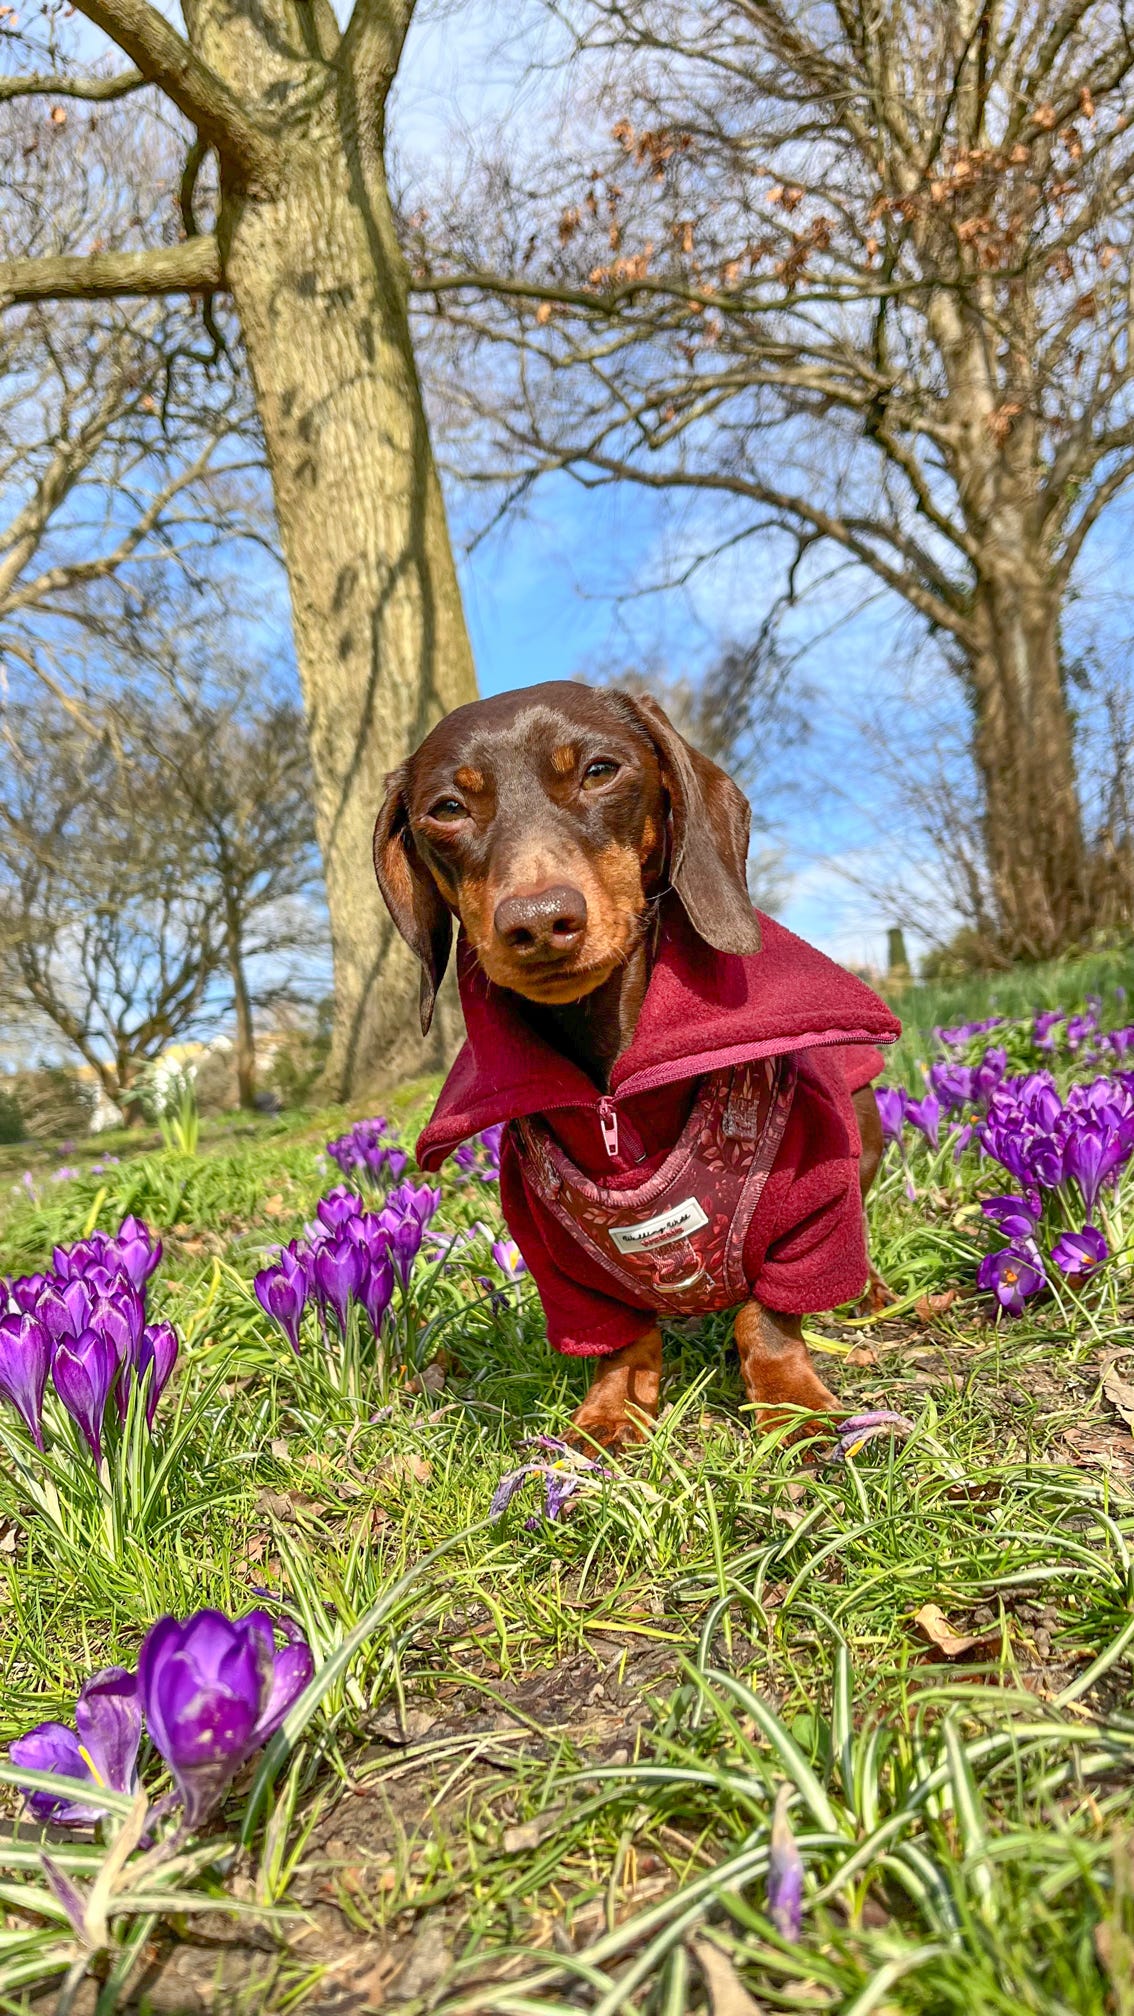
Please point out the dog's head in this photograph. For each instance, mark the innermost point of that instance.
(547, 820)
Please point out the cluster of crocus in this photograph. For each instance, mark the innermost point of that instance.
(1048, 1143)
(1016, 1271)
(211, 1690)
(479, 1159)
(351, 1257)
(83, 1324)
(564, 1470)
(364, 1152)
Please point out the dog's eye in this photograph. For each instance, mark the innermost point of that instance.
(601, 771)
(447, 809)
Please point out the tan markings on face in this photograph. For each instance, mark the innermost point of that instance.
(469, 779)
(616, 902)
(563, 760)
(649, 836)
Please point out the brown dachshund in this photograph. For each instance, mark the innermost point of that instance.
(562, 825)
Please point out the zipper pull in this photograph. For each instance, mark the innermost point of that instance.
(608, 1121)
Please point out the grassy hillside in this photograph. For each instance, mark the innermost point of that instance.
(545, 1778)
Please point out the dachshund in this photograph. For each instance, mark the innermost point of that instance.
(644, 1033)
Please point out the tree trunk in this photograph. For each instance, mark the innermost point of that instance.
(1024, 752)
(383, 650)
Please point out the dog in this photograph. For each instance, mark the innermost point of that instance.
(687, 1086)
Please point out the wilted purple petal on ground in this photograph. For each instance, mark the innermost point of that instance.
(784, 1890)
(859, 1429)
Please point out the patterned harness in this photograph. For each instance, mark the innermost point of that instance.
(676, 1240)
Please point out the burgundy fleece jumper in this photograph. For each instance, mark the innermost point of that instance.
(703, 1011)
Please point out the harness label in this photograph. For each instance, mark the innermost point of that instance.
(664, 1230)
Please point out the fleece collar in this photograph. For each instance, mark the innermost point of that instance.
(703, 1011)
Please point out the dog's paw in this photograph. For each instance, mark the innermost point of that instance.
(590, 1428)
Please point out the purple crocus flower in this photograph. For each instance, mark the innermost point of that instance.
(1077, 1254)
(213, 1690)
(83, 1370)
(64, 1308)
(1012, 1274)
(282, 1294)
(1016, 1217)
(562, 1478)
(953, 1085)
(784, 1891)
(416, 1200)
(25, 1359)
(1044, 1026)
(891, 1110)
(925, 1115)
(120, 1317)
(406, 1245)
(1092, 1153)
(338, 1266)
(509, 1258)
(102, 1749)
(338, 1207)
(377, 1288)
(988, 1074)
(26, 1290)
(157, 1355)
(137, 1250)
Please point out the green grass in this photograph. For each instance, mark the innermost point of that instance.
(543, 1778)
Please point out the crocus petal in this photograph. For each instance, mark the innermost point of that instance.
(83, 1370)
(53, 1747)
(108, 1717)
(25, 1358)
(785, 1872)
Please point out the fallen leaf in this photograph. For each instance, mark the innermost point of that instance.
(937, 1631)
(1119, 1392)
(280, 1449)
(928, 1307)
(728, 1995)
(863, 1354)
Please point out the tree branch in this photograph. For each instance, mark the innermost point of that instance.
(371, 48)
(98, 89)
(190, 268)
(166, 59)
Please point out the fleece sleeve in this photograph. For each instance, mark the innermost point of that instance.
(582, 1320)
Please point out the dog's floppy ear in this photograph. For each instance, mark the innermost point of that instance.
(412, 896)
(710, 819)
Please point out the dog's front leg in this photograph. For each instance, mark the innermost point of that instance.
(622, 1399)
(776, 1367)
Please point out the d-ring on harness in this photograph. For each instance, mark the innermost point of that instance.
(676, 1240)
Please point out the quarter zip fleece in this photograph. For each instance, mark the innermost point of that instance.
(703, 1011)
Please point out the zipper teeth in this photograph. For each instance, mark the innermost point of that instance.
(666, 1074)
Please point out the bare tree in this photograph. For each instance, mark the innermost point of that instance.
(128, 442)
(287, 112)
(149, 859)
(239, 782)
(859, 274)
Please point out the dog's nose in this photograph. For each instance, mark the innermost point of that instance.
(543, 921)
